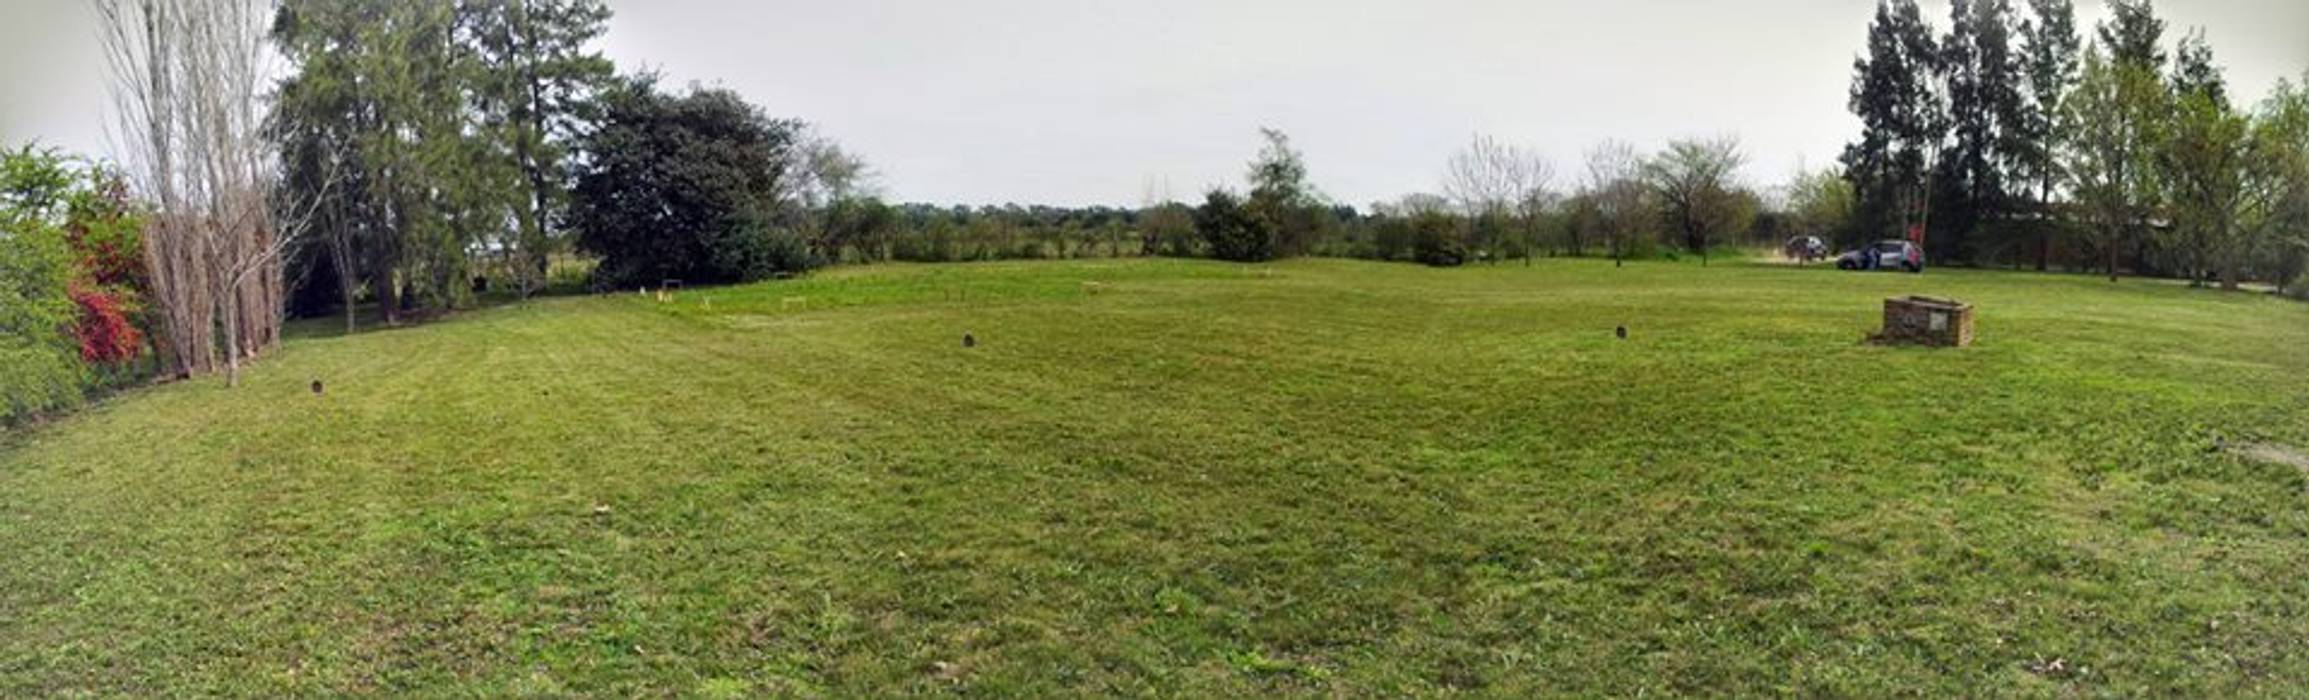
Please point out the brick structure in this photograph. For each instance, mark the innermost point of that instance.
(1926, 321)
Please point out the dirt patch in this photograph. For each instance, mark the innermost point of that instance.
(2275, 454)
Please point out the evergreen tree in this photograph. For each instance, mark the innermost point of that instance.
(2049, 47)
(2133, 35)
(536, 81)
(1896, 95)
(1987, 122)
(2194, 72)
(1231, 230)
(374, 125)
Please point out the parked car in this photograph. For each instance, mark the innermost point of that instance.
(1806, 249)
(1886, 255)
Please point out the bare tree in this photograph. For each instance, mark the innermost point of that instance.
(187, 81)
(1485, 177)
(1414, 204)
(1166, 226)
(824, 173)
(1615, 187)
(1535, 197)
(1495, 183)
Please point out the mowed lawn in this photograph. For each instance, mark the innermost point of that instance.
(1314, 477)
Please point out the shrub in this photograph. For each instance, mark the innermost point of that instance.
(1232, 231)
(38, 370)
(1435, 241)
(71, 271)
(752, 248)
(103, 331)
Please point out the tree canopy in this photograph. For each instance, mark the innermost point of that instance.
(686, 187)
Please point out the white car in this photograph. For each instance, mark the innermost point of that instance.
(1886, 255)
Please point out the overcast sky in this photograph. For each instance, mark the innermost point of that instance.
(1093, 101)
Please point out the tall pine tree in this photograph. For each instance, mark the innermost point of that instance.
(533, 94)
(1986, 117)
(1896, 94)
(2133, 35)
(2195, 73)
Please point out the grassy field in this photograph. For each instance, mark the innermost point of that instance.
(1316, 477)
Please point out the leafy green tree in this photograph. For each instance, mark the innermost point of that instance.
(1280, 199)
(1821, 203)
(2274, 222)
(684, 187)
(1696, 182)
(2202, 161)
(2229, 175)
(2115, 119)
(863, 226)
(1436, 240)
(1617, 196)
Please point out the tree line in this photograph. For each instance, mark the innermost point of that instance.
(1497, 201)
(2011, 138)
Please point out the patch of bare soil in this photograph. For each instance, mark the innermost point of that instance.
(2275, 454)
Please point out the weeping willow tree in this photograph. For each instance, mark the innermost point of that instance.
(188, 80)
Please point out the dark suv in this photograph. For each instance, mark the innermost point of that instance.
(1887, 255)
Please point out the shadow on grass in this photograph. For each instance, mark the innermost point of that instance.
(367, 318)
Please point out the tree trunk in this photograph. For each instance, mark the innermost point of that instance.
(2044, 224)
(230, 304)
(388, 293)
(348, 280)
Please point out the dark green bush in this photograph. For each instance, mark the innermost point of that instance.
(1232, 231)
(685, 187)
(1435, 241)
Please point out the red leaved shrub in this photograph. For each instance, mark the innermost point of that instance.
(106, 235)
(106, 337)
